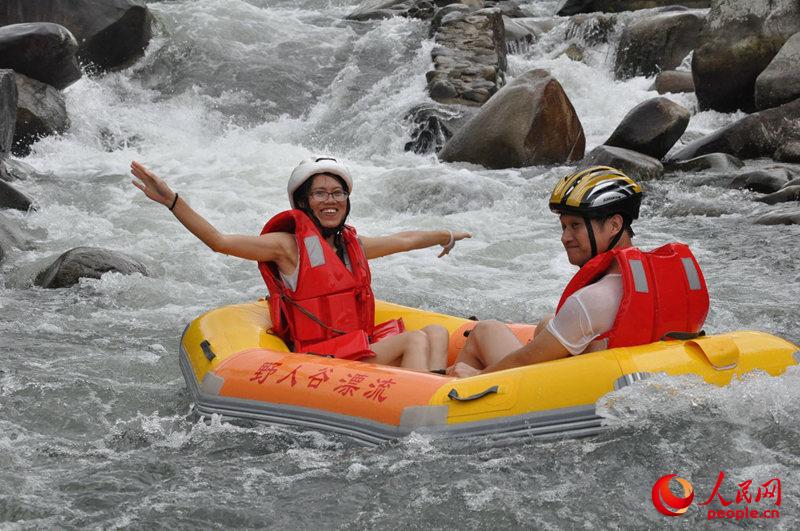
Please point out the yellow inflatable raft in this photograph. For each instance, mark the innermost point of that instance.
(234, 367)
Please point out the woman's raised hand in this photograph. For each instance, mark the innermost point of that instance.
(454, 237)
(152, 185)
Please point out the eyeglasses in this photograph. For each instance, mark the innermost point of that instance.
(321, 195)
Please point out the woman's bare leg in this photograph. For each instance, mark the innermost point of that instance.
(408, 349)
(488, 343)
(438, 340)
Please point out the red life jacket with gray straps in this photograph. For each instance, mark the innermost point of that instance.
(664, 293)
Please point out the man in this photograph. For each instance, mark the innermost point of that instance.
(620, 297)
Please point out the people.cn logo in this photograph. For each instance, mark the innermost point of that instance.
(666, 502)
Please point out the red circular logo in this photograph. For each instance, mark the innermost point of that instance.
(666, 502)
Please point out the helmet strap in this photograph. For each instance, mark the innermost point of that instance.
(616, 238)
(590, 231)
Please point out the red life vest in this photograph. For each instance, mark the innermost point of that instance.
(663, 292)
(331, 301)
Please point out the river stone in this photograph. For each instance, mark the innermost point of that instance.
(41, 111)
(651, 128)
(434, 125)
(637, 165)
(715, 162)
(788, 152)
(86, 262)
(112, 34)
(779, 83)
(41, 50)
(784, 195)
(8, 111)
(756, 135)
(674, 82)
(529, 29)
(530, 121)
(737, 42)
(469, 58)
(16, 170)
(11, 237)
(790, 216)
(379, 9)
(659, 43)
(10, 197)
(573, 7)
(761, 181)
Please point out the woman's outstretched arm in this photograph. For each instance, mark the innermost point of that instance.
(274, 247)
(410, 240)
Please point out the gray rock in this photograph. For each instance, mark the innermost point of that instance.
(86, 262)
(715, 162)
(470, 57)
(529, 121)
(10, 197)
(788, 152)
(637, 165)
(756, 135)
(781, 217)
(527, 29)
(434, 125)
(16, 170)
(737, 42)
(793, 182)
(8, 111)
(41, 50)
(659, 43)
(784, 195)
(761, 181)
(11, 237)
(573, 7)
(651, 128)
(112, 34)
(380, 9)
(674, 82)
(779, 83)
(41, 111)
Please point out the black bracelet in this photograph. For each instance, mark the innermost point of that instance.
(174, 202)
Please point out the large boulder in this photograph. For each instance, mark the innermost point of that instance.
(737, 42)
(779, 83)
(787, 216)
(41, 50)
(674, 82)
(112, 33)
(86, 262)
(756, 135)
(573, 7)
(8, 111)
(637, 165)
(715, 162)
(651, 45)
(469, 59)
(652, 127)
(788, 152)
(529, 121)
(41, 111)
(784, 195)
(764, 181)
(10, 197)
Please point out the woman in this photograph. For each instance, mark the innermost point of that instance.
(316, 269)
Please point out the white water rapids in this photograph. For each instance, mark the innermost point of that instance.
(96, 429)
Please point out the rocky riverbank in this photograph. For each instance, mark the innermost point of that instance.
(45, 46)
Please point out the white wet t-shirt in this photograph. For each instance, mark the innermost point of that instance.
(586, 314)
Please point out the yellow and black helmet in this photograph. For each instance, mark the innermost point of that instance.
(597, 192)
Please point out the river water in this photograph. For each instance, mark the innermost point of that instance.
(96, 428)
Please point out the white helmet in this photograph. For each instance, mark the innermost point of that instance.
(312, 166)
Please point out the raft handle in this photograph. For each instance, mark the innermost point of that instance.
(206, 346)
(453, 394)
